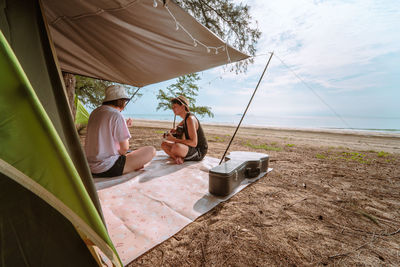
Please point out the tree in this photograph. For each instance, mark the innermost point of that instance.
(90, 91)
(186, 86)
(232, 22)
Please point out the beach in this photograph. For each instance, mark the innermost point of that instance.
(333, 198)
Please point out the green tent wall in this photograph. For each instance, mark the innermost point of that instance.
(49, 207)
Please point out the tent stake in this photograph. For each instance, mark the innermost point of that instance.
(240, 122)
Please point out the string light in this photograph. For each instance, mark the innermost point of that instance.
(227, 53)
(195, 41)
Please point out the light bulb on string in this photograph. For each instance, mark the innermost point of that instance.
(216, 51)
(208, 50)
(194, 43)
(154, 3)
(177, 27)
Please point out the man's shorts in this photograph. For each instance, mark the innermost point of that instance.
(116, 170)
(195, 154)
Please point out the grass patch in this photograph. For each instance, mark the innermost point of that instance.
(320, 156)
(383, 154)
(354, 156)
(159, 132)
(290, 145)
(216, 139)
(219, 139)
(263, 146)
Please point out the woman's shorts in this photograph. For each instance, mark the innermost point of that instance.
(116, 170)
(195, 154)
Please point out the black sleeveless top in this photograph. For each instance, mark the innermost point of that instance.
(202, 144)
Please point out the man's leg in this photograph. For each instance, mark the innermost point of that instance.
(138, 158)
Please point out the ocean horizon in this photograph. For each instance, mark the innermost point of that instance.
(374, 124)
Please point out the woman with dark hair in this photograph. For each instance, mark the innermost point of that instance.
(192, 146)
(107, 138)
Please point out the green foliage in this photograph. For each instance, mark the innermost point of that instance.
(290, 145)
(91, 91)
(320, 156)
(230, 21)
(186, 86)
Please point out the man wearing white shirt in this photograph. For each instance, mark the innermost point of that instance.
(107, 139)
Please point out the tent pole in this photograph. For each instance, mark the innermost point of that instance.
(240, 122)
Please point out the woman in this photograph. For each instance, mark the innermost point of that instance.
(193, 144)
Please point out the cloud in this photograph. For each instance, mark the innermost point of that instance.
(322, 40)
(347, 51)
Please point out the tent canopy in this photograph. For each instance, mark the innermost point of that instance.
(131, 41)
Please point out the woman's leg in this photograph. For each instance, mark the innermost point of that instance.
(166, 146)
(179, 151)
(138, 158)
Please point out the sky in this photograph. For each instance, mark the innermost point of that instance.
(330, 57)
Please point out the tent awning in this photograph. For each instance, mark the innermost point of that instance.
(132, 42)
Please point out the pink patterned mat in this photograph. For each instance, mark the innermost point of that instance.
(144, 208)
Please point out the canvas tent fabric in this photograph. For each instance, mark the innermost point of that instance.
(132, 42)
(50, 209)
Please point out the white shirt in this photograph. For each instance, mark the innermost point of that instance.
(105, 130)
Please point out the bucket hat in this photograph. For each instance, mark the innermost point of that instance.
(114, 92)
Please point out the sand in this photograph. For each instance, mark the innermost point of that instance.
(333, 198)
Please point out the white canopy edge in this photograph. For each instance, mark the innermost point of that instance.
(132, 41)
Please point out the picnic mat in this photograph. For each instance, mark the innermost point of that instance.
(144, 208)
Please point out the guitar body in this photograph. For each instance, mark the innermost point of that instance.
(238, 166)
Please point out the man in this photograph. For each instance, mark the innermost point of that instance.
(107, 139)
(193, 144)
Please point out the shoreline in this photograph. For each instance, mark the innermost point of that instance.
(351, 140)
(354, 132)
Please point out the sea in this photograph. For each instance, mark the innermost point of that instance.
(371, 124)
